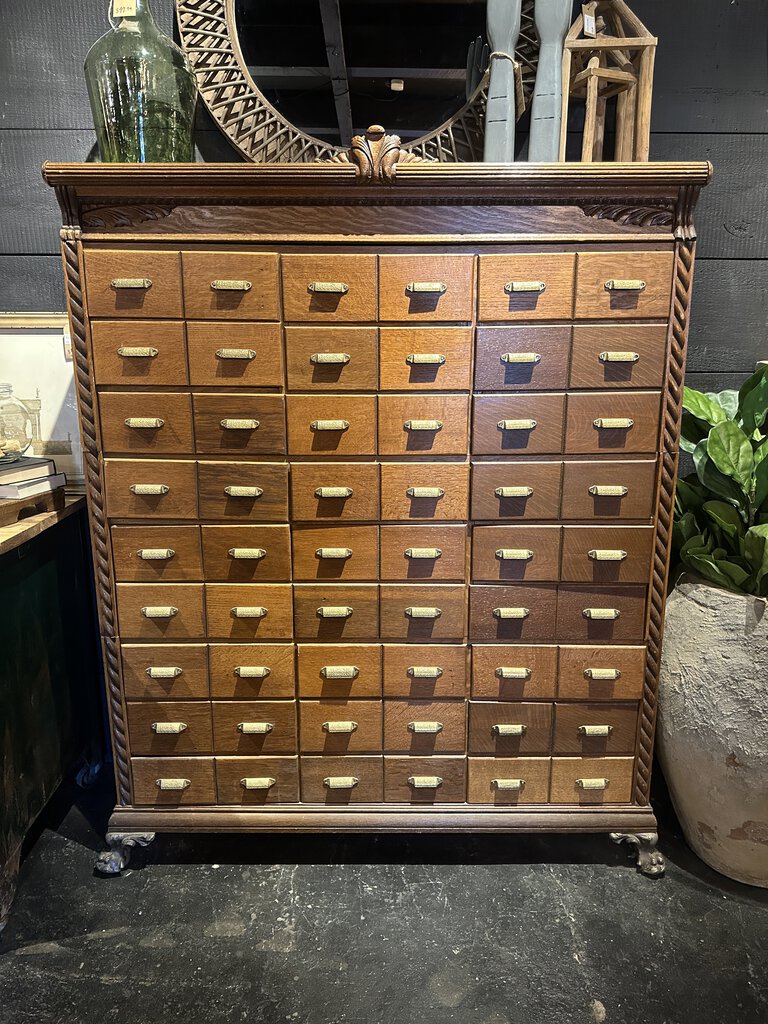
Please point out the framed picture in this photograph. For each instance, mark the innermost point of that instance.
(36, 363)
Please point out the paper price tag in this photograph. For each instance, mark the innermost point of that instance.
(123, 8)
(590, 24)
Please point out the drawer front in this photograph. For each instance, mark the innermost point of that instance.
(243, 490)
(601, 673)
(612, 422)
(593, 730)
(609, 490)
(522, 358)
(169, 727)
(426, 358)
(506, 729)
(591, 780)
(519, 553)
(125, 283)
(156, 554)
(235, 355)
(334, 491)
(426, 287)
(619, 356)
(340, 726)
(526, 287)
(336, 612)
(228, 424)
(521, 614)
(249, 611)
(150, 489)
(335, 553)
(149, 354)
(342, 780)
(518, 424)
(254, 727)
(165, 671)
(428, 424)
(609, 285)
(506, 781)
(322, 425)
(425, 780)
(516, 672)
(160, 611)
(424, 490)
(437, 553)
(516, 491)
(246, 554)
(425, 672)
(332, 358)
(339, 670)
(579, 611)
(607, 554)
(173, 781)
(145, 422)
(423, 612)
(230, 286)
(424, 727)
(256, 781)
(329, 287)
(252, 671)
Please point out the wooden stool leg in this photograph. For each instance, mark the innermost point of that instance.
(644, 95)
(590, 121)
(626, 105)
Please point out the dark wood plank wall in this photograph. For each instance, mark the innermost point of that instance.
(710, 102)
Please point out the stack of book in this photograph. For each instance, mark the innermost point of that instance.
(29, 482)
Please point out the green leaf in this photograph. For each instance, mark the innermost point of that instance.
(703, 407)
(706, 567)
(712, 479)
(731, 452)
(749, 386)
(756, 552)
(691, 494)
(761, 482)
(725, 516)
(692, 430)
(734, 572)
(685, 528)
(761, 452)
(728, 400)
(754, 407)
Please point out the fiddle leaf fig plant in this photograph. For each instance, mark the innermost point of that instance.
(720, 528)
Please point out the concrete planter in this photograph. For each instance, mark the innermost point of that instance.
(713, 725)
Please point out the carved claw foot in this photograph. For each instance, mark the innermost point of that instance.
(649, 861)
(121, 844)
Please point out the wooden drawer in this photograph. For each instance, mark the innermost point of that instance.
(426, 358)
(425, 672)
(247, 554)
(619, 356)
(136, 283)
(516, 672)
(145, 422)
(505, 729)
(230, 286)
(426, 287)
(243, 490)
(254, 727)
(165, 671)
(169, 727)
(328, 425)
(591, 780)
(433, 424)
(425, 780)
(601, 673)
(335, 553)
(332, 358)
(526, 286)
(609, 490)
(518, 424)
(516, 490)
(506, 781)
(235, 355)
(334, 491)
(339, 670)
(173, 781)
(230, 424)
(252, 671)
(160, 611)
(340, 726)
(522, 358)
(423, 612)
(423, 552)
(577, 622)
(513, 614)
(607, 554)
(156, 554)
(256, 781)
(150, 489)
(329, 286)
(507, 553)
(423, 727)
(424, 490)
(342, 780)
(613, 421)
(149, 354)
(249, 611)
(336, 612)
(607, 285)
(616, 725)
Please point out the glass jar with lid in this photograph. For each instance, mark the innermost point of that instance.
(15, 425)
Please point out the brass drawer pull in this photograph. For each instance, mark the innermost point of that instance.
(247, 554)
(514, 554)
(424, 671)
(594, 730)
(602, 674)
(429, 287)
(341, 782)
(231, 286)
(607, 555)
(414, 612)
(137, 352)
(333, 553)
(238, 491)
(592, 783)
(339, 671)
(429, 728)
(252, 671)
(328, 287)
(330, 358)
(619, 357)
(255, 728)
(613, 423)
(424, 492)
(601, 613)
(333, 492)
(339, 727)
(624, 286)
(516, 425)
(264, 782)
(334, 425)
(172, 784)
(169, 728)
(159, 611)
(423, 425)
(334, 611)
(163, 671)
(239, 424)
(426, 553)
(149, 489)
(424, 781)
(608, 491)
(513, 287)
(249, 612)
(235, 353)
(132, 282)
(520, 357)
(144, 422)
(508, 785)
(425, 359)
(513, 492)
(155, 554)
(505, 729)
(511, 613)
(512, 672)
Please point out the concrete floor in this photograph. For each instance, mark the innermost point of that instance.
(383, 930)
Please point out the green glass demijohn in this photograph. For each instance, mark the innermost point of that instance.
(142, 90)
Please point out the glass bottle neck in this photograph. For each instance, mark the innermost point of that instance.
(130, 14)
